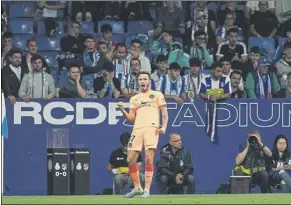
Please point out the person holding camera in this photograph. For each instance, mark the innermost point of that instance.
(251, 161)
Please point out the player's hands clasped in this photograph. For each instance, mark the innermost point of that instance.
(161, 131)
(121, 105)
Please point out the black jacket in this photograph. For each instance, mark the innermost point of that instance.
(10, 82)
(171, 164)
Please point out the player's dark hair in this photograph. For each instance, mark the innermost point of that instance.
(143, 72)
(124, 138)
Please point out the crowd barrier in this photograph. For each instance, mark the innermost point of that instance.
(97, 124)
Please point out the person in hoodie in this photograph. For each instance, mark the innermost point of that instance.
(284, 65)
(280, 50)
(175, 168)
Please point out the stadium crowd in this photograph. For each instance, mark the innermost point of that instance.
(179, 43)
(87, 49)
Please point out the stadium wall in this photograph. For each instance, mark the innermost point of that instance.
(98, 124)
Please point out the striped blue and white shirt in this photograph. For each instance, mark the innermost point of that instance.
(169, 87)
(209, 83)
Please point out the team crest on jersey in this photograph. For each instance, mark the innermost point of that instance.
(222, 84)
(152, 96)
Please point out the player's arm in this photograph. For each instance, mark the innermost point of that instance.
(130, 116)
(165, 117)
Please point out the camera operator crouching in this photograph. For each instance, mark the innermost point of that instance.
(251, 161)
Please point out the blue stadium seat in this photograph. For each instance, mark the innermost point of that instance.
(139, 26)
(119, 38)
(41, 28)
(149, 55)
(180, 40)
(141, 36)
(20, 41)
(64, 77)
(266, 45)
(117, 26)
(89, 79)
(55, 75)
(50, 57)
(22, 9)
(48, 43)
(21, 26)
(282, 40)
(205, 72)
(87, 27)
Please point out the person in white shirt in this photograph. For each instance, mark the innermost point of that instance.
(227, 70)
(172, 84)
(215, 81)
(162, 64)
(193, 80)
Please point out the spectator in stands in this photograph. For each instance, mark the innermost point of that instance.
(215, 81)
(37, 83)
(280, 50)
(201, 24)
(201, 50)
(209, 14)
(263, 23)
(129, 83)
(112, 10)
(193, 80)
(284, 65)
(227, 70)
(232, 50)
(221, 32)
(172, 84)
(163, 48)
(175, 168)
(280, 166)
(235, 80)
(7, 48)
(74, 42)
(75, 87)
(162, 70)
(106, 31)
(93, 60)
(262, 83)
(252, 63)
(90, 11)
(119, 167)
(171, 19)
(283, 11)
(253, 6)
(12, 75)
(286, 92)
(251, 160)
(26, 59)
(136, 11)
(107, 86)
(136, 46)
(179, 56)
(102, 47)
(239, 15)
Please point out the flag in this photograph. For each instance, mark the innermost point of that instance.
(211, 120)
(4, 118)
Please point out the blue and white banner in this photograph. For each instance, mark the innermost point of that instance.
(98, 123)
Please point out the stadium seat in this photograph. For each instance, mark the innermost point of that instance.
(139, 27)
(54, 74)
(282, 40)
(48, 43)
(21, 26)
(266, 45)
(20, 41)
(87, 27)
(141, 36)
(22, 9)
(50, 57)
(205, 72)
(149, 55)
(63, 77)
(41, 28)
(117, 26)
(180, 40)
(119, 38)
(89, 79)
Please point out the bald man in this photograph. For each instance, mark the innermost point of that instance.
(175, 168)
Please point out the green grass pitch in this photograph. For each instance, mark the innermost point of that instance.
(154, 199)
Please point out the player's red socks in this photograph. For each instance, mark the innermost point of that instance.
(134, 174)
(149, 172)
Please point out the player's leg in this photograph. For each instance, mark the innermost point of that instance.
(151, 142)
(134, 149)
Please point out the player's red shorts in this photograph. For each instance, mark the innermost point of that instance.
(147, 136)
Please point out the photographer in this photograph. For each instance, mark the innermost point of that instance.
(251, 161)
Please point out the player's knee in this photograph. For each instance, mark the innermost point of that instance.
(190, 179)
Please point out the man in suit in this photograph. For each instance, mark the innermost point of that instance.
(12, 75)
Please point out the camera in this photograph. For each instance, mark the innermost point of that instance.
(253, 141)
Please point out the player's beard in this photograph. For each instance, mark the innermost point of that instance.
(144, 88)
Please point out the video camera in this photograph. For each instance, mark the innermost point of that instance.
(253, 141)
